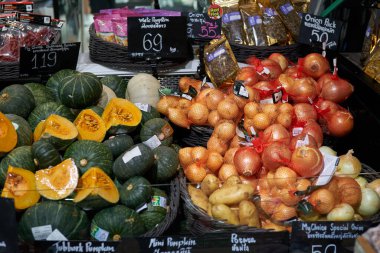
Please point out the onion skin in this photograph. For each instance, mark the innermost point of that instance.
(248, 75)
(284, 178)
(375, 185)
(283, 212)
(276, 132)
(340, 123)
(280, 59)
(226, 171)
(304, 112)
(247, 161)
(315, 65)
(307, 161)
(275, 155)
(274, 69)
(322, 200)
(314, 129)
(213, 98)
(217, 145)
(198, 114)
(341, 212)
(349, 191)
(304, 89)
(348, 166)
(370, 203)
(334, 88)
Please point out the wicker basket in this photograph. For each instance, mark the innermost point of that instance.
(116, 56)
(9, 70)
(242, 52)
(174, 198)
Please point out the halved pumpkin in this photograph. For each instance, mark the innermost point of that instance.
(20, 185)
(8, 134)
(96, 190)
(38, 131)
(121, 112)
(59, 181)
(90, 126)
(58, 130)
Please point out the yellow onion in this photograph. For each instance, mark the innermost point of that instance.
(235, 142)
(247, 161)
(185, 156)
(198, 114)
(228, 109)
(349, 191)
(226, 171)
(261, 121)
(285, 177)
(199, 154)
(251, 109)
(225, 130)
(283, 212)
(285, 119)
(178, 117)
(271, 110)
(229, 155)
(348, 166)
(213, 118)
(307, 161)
(195, 173)
(165, 103)
(217, 145)
(213, 98)
(322, 200)
(214, 161)
(288, 197)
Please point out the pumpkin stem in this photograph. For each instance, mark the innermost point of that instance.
(116, 238)
(35, 161)
(4, 95)
(130, 187)
(83, 162)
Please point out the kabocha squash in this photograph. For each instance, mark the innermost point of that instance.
(45, 154)
(20, 185)
(157, 128)
(118, 144)
(80, 90)
(67, 218)
(115, 83)
(57, 182)
(90, 126)
(8, 134)
(20, 157)
(136, 161)
(23, 129)
(87, 154)
(96, 190)
(41, 112)
(57, 130)
(40, 93)
(149, 113)
(143, 88)
(135, 192)
(121, 112)
(156, 209)
(55, 81)
(107, 95)
(116, 222)
(16, 99)
(166, 164)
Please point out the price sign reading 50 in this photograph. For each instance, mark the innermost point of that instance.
(152, 42)
(44, 60)
(320, 36)
(330, 248)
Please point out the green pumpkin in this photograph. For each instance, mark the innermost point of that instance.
(80, 90)
(157, 127)
(150, 113)
(135, 192)
(69, 219)
(87, 154)
(118, 144)
(166, 164)
(16, 99)
(55, 81)
(40, 93)
(119, 221)
(20, 157)
(115, 83)
(136, 161)
(41, 112)
(156, 209)
(45, 154)
(23, 129)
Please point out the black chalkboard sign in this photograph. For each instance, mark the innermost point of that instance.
(44, 60)
(200, 26)
(326, 237)
(318, 29)
(152, 37)
(75, 246)
(8, 232)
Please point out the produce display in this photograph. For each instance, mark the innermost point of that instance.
(265, 162)
(78, 156)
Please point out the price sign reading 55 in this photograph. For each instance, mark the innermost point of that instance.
(44, 60)
(330, 248)
(152, 42)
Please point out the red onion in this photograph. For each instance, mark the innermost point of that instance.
(340, 123)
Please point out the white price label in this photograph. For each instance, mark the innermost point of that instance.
(266, 101)
(297, 130)
(56, 235)
(15, 125)
(153, 142)
(143, 107)
(159, 201)
(304, 142)
(330, 163)
(243, 92)
(99, 234)
(131, 154)
(253, 132)
(188, 97)
(41, 232)
(239, 133)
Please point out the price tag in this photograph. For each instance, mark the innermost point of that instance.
(153, 142)
(98, 233)
(319, 29)
(303, 142)
(143, 107)
(201, 26)
(240, 90)
(44, 60)
(163, 37)
(330, 162)
(8, 228)
(56, 235)
(129, 155)
(297, 131)
(41, 232)
(326, 237)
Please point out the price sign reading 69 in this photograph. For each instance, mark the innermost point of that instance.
(45, 60)
(163, 37)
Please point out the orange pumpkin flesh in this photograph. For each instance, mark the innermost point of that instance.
(121, 112)
(8, 134)
(90, 126)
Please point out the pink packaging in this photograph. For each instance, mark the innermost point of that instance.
(120, 29)
(103, 26)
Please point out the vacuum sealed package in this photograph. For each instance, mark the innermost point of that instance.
(373, 66)
(371, 36)
(232, 25)
(220, 62)
(120, 30)
(301, 6)
(103, 27)
(253, 25)
(274, 28)
(289, 17)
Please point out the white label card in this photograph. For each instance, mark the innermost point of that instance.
(266, 101)
(56, 235)
(330, 163)
(131, 154)
(304, 142)
(188, 97)
(100, 234)
(239, 133)
(297, 131)
(143, 107)
(153, 142)
(243, 92)
(41, 232)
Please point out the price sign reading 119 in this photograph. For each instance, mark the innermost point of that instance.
(163, 37)
(44, 60)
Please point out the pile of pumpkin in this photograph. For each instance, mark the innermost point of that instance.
(77, 156)
(268, 131)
